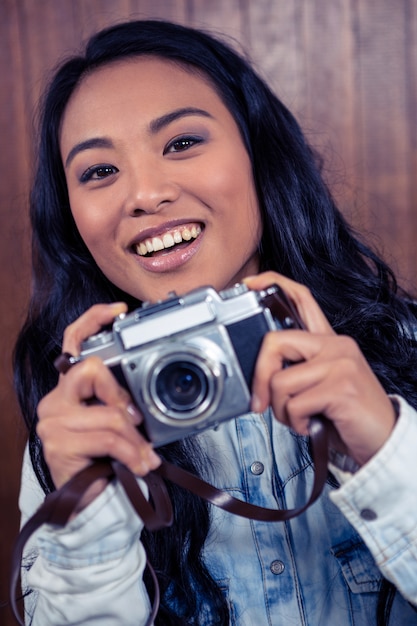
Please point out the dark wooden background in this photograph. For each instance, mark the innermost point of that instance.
(347, 68)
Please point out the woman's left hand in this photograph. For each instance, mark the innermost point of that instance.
(329, 375)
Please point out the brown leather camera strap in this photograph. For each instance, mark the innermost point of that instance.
(225, 501)
(157, 512)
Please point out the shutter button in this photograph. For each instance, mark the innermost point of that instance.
(257, 468)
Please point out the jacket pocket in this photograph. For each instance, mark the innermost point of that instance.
(358, 567)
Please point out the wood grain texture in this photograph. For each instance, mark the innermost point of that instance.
(384, 124)
(346, 68)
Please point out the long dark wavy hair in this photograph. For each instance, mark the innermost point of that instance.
(304, 237)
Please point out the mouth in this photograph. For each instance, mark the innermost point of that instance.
(174, 238)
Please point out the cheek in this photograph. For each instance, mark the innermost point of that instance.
(244, 205)
(93, 224)
(87, 229)
(234, 177)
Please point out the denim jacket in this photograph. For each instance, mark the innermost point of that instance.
(322, 568)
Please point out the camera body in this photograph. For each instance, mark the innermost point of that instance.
(188, 361)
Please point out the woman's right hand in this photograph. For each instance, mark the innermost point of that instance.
(73, 431)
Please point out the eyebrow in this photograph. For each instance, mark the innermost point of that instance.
(89, 144)
(155, 126)
(160, 122)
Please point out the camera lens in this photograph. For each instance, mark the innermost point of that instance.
(181, 386)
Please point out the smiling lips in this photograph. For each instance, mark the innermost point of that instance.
(168, 239)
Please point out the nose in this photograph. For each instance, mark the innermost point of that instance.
(150, 188)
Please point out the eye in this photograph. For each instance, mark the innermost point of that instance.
(181, 144)
(98, 172)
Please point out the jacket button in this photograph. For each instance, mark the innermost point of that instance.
(257, 468)
(277, 567)
(368, 514)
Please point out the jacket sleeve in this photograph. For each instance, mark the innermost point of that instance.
(380, 501)
(89, 572)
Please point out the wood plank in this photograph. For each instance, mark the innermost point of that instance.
(48, 32)
(410, 43)
(329, 112)
(383, 127)
(225, 19)
(14, 276)
(277, 49)
(92, 15)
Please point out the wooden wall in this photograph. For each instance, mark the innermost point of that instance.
(347, 68)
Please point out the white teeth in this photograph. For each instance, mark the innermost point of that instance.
(168, 240)
(157, 244)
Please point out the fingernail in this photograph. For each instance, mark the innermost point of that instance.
(154, 458)
(141, 469)
(118, 307)
(147, 464)
(134, 414)
(256, 404)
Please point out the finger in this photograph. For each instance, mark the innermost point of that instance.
(291, 383)
(356, 405)
(92, 379)
(125, 444)
(277, 350)
(306, 305)
(90, 323)
(84, 419)
(338, 383)
(79, 455)
(73, 438)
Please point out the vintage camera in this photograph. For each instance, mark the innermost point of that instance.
(188, 361)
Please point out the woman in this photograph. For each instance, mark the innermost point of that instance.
(165, 164)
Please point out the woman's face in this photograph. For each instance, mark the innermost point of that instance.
(159, 181)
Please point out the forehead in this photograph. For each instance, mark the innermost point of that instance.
(150, 84)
